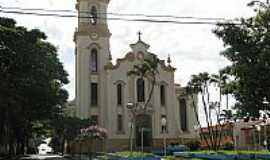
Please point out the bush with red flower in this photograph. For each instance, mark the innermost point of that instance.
(94, 132)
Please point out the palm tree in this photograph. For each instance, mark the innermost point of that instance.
(148, 69)
(227, 85)
(200, 84)
(227, 116)
(193, 88)
(224, 86)
(221, 80)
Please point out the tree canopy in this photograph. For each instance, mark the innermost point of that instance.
(248, 48)
(31, 78)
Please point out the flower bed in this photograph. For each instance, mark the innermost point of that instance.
(242, 155)
(94, 132)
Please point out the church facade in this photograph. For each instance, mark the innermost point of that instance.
(104, 91)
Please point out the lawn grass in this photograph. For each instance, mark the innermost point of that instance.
(128, 154)
(233, 152)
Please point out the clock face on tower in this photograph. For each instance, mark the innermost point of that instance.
(94, 36)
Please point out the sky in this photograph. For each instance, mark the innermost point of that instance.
(193, 48)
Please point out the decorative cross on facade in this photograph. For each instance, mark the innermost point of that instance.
(139, 34)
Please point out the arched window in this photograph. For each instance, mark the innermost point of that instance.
(119, 94)
(120, 126)
(162, 95)
(94, 60)
(93, 15)
(140, 90)
(94, 94)
(183, 114)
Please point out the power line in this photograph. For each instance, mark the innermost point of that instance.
(116, 18)
(120, 14)
(39, 14)
(168, 16)
(37, 9)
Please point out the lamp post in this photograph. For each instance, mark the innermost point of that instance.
(132, 107)
(142, 139)
(258, 128)
(266, 103)
(130, 125)
(163, 126)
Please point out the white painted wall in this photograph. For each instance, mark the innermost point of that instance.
(107, 108)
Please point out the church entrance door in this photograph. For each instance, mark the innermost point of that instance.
(143, 130)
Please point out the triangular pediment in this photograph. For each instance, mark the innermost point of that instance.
(139, 46)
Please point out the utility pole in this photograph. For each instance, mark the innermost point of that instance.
(142, 140)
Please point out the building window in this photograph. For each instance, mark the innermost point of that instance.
(162, 95)
(94, 94)
(119, 123)
(140, 90)
(183, 114)
(93, 15)
(94, 120)
(94, 60)
(119, 94)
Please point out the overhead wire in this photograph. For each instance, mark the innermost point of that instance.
(118, 14)
(38, 9)
(26, 11)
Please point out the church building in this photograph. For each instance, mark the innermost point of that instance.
(107, 95)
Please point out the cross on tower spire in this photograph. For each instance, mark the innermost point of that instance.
(139, 34)
(169, 60)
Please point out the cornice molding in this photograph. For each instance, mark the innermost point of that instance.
(131, 57)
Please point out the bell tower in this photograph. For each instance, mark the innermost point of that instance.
(92, 39)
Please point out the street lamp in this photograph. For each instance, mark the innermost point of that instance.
(142, 139)
(130, 125)
(163, 127)
(258, 128)
(130, 105)
(266, 103)
(132, 108)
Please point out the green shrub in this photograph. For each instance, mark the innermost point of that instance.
(170, 158)
(193, 145)
(103, 157)
(228, 146)
(131, 154)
